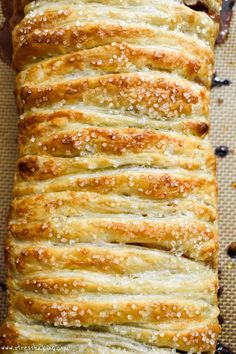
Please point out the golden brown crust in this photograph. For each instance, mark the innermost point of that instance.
(213, 5)
(113, 341)
(179, 17)
(85, 312)
(34, 208)
(58, 30)
(136, 183)
(41, 43)
(125, 58)
(111, 258)
(45, 122)
(109, 142)
(112, 240)
(202, 286)
(156, 94)
(182, 236)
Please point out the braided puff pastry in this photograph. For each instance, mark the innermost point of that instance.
(112, 243)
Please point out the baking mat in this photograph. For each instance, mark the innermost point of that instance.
(223, 132)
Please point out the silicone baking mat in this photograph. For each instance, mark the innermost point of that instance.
(223, 132)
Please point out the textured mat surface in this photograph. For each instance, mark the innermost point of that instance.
(223, 132)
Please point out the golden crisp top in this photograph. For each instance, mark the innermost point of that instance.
(112, 240)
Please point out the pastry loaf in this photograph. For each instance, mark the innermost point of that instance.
(112, 242)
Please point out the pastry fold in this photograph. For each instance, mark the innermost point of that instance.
(112, 242)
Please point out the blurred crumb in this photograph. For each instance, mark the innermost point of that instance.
(220, 101)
